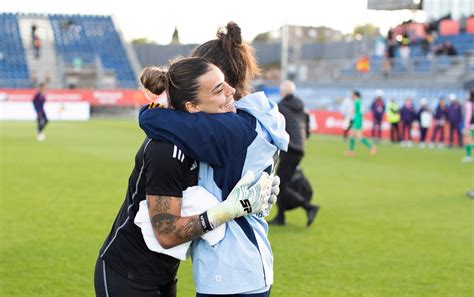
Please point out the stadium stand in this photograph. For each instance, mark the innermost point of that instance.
(463, 43)
(87, 51)
(90, 46)
(89, 38)
(44, 67)
(13, 66)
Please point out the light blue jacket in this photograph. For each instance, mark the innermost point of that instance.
(236, 264)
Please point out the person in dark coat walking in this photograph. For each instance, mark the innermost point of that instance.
(455, 120)
(292, 109)
(408, 116)
(38, 103)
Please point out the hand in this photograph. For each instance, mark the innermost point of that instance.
(242, 200)
(275, 190)
(272, 199)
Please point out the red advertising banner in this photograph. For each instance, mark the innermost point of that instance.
(94, 97)
(331, 122)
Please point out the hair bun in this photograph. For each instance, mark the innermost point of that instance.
(154, 79)
(231, 34)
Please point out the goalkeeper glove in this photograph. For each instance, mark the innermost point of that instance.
(242, 200)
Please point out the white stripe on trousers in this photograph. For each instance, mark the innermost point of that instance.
(105, 279)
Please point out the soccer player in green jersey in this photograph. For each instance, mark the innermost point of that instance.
(356, 130)
(469, 127)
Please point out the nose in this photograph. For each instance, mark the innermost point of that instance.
(230, 90)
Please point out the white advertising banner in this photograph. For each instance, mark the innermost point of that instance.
(56, 111)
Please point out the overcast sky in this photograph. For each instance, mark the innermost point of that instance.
(198, 20)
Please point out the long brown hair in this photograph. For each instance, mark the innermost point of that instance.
(180, 82)
(234, 57)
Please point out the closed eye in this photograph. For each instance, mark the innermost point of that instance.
(217, 89)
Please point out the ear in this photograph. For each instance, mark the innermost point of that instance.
(191, 107)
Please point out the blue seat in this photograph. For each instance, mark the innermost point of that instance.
(88, 37)
(13, 65)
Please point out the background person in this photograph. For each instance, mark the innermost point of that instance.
(454, 115)
(469, 127)
(393, 117)
(296, 119)
(425, 120)
(356, 130)
(378, 110)
(408, 116)
(347, 108)
(39, 100)
(440, 120)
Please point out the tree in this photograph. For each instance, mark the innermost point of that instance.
(262, 37)
(366, 30)
(142, 40)
(175, 37)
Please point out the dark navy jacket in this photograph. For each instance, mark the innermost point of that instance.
(213, 137)
(454, 113)
(378, 109)
(407, 114)
(441, 113)
(38, 102)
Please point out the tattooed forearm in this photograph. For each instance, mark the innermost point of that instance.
(163, 204)
(164, 223)
(191, 230)
(169, 226)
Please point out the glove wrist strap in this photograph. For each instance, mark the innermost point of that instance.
(205, 224)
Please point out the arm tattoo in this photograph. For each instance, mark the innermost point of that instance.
(164, 223)
(191, 230)
(163, 204)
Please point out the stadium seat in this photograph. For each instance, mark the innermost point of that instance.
(470, 25)
(449, 27)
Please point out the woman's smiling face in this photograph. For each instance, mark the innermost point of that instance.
(214, 95)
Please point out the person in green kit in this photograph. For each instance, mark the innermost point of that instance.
(356, 130)
(469, 127)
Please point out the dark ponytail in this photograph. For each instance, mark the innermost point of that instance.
(234, 57)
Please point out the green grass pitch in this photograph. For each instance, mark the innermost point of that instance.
(396, 224)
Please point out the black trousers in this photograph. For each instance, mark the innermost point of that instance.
(346, 131)
(406, 127)
(423, 131)
(455, 129)
(377, 129)
(42, 120)
(286, 169)
(109, 283)
(394, 132)
(440, 129)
